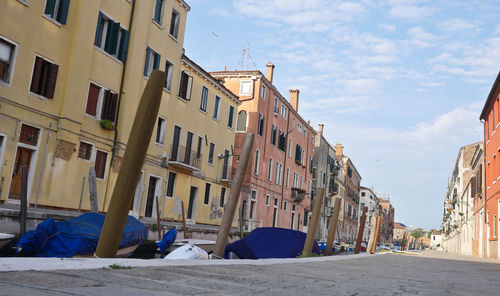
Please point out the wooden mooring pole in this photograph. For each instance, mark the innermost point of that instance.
(375, 239)
(24, 199)
(313, 225)
(361, 231)
(334, 221)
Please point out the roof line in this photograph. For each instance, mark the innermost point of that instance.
(494, 89)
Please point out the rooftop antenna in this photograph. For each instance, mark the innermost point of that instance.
(214, 35)
(246, 59)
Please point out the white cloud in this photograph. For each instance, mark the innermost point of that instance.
(410, 11)
(390, 28)
(457, 25)
(421, 38)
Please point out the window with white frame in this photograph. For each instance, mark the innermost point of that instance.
(57, 10)
(299, 128)
(101, 103)
(260, 127)
(101, 158)
(275, 108)
(186, 85)
(216, 107)
(230, 117)
(263, 91)
(256, 163)
(174, 24)
(158, 14)
(152, 61)
(8, 52)
(268, 199)
(171, 184)
(211, 151)
(287, 177)
(204, 98)
(111, 37)
(246, 87)
(270, 170)
(160, 131)
(85, 150)
(284, 110)
(290, 148)
(169, 69)
(44, 78)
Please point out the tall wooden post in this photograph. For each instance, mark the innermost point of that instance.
(313, 225)
(130, 169)
(372, 233)
(334, 220)
(361, 231)
(24, 199)
(375, 239)
(234, 197)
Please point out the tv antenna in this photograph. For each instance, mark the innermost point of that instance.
(246, 58)
(214, 35)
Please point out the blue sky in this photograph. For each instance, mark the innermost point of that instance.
(399, 83)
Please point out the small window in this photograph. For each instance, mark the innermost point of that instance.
(43, 80)
(160, 131)
(171, 184)
(111, 37)
(174, 24)
(241, 124)
(222, 196)
(263, 91)
(273, 135)
(7, 58)
(158, 16)
(100, 164)
(287, 177)
(57, 10)
(290, 148)
(246, 87)
(152, 61)
(204, 98)
(85, 151)
(260, 128)
(185, 86)
(216, 107)
(281, 141)
(268, 199)
(256, 163)
(231, 115)
(169, 67)
(270, 170)
(211, 153)
(275, 109)
(206, 200)
(284, 111)
(286, 203)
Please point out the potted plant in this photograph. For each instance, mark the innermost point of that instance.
(107, 124)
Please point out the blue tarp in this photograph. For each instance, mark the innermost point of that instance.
(167, 240)
(270, 242)
(77, 236)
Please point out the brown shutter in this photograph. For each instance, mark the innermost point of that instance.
(105, 105)
(51, 83)
(92, 99)
(35, 79)
(100, 164)
(113, 99)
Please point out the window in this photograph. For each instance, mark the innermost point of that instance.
(263, 91)
(312, 140)
(222, 196)
(286, 203)
(169, 68)
(174, 24)
(287, 176)
(160, 131)
(284, 111)
(111, 38)
(7, 58)
(85, 151)
(171, 184)
(306, 217)
(298, 151)
(157, 17)
(246, 87)
(101, 103)
(43, 81)
(216, 107)
(204, 98)
(230, 119)
(268, 199)
(256, 163)
(273, 135)
(241, 124)
(206, 200)
(281, 141)
(275, 110)
(363, 194)
(152, 61)
(270, 170)
(260, 127)
(211, 153)
(279, 171)
(290, 148)
(299, 128)
(185, 86)
(100, 164)
(57, 10)
(198, 148)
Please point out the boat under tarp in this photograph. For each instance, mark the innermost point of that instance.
(270, 242)
(76, 237)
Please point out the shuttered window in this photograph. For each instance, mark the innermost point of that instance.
(43, 81)
(57, 10)
(100, 164)
(111, 37)
(230, 119)
(152, 61)
(93, 99)
(204, 98)
(7, 54)
(101, 103)
(109, 105)
(185, 86)
(157, 17)
(174, 24)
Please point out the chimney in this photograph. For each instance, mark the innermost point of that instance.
(294, 99)
(270, 71)
(339, 149)
(321, 128)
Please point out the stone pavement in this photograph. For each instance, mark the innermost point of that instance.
(432, 273)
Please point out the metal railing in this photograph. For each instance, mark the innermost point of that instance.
(187, 157)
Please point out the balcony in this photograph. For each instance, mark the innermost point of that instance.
(226, 173)
(298, 194)
(183, 158)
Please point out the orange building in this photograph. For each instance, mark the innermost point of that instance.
(277, 186)
(490, 116)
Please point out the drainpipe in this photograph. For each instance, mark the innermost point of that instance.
(485, 239)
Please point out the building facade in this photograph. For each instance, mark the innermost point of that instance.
(386, 212)
(369, 199)
(490, 116)
(399, 233)
(277, 187)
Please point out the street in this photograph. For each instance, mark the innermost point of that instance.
(431, 273)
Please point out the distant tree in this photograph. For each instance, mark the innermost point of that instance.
(418, 232)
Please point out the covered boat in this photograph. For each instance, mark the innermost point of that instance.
(76, 237)
(269, 242)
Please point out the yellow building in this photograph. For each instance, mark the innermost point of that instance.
(71, 76)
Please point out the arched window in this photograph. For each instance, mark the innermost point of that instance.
(241, 125)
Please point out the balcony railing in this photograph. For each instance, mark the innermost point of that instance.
(298, 194)
(226, 172)
(180, 155)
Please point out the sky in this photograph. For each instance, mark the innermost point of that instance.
(399, 83)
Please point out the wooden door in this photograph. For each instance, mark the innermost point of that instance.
(151, 197)
(192, 200)
(23, 157)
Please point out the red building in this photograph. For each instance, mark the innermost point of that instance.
(490, 116)
(277, 186)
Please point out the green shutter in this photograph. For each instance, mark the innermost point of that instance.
(50, 6)
(230, 121)
(122, 52)
(63, 12)
(112, 37)
(156, 62)
(157, 15)
(147, 61)
(98, 29)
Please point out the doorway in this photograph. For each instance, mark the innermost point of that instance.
(23, 158)
(153, 191)
(135, 206)
(275, 212)
(192, 200)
